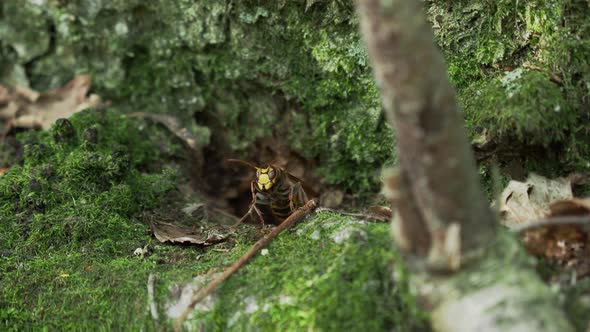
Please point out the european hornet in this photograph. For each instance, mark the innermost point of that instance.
(276, 193)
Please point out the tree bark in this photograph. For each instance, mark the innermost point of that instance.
(433, 150)
(441, 212)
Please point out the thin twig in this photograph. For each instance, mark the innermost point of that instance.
(357, 215)
(555, 221)
(151, 301)
(203, 292)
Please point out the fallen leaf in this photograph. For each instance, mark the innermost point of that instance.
(563, 237)
(383, 211)
(523, 202)
(25, 108)
(553, 224)
(168, 232)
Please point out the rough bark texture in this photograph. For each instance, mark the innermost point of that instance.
(432, 143)
(410, 236)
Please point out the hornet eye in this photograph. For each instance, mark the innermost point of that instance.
(257, 174)
(271, 174)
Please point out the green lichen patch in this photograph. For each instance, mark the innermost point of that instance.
(489, 282)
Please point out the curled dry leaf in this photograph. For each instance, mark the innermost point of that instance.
(26, 108)
(384, 211)
(523, 202)
(168, 232)
(553, 224)
(564, 237)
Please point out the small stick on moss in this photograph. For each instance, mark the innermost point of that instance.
(151, 301)
(373, 217)
(580, 221)
(287, 223)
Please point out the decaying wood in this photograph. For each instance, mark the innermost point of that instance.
(433, 149)
(287, 223)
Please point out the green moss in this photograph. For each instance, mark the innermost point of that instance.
(329, 273)
(480, 37)
(577, 304)
(68, 231)
(264, 71)
(521, 75)
(23, 30)
(67, 227)
(72, 196)
(526, 106)
(298, 71)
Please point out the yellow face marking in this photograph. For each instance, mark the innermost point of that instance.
(265, 178)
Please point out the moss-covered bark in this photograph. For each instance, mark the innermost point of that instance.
(252, 71)
(522, 72)
(297, 71)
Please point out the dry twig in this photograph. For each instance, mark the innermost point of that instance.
(582, 221)
(287, 223)
(375, 217)
(151, 301)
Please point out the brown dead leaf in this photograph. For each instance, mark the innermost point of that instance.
(527, 201)
(564, 237)
(206, 236)
(3, 171)
(384, 211)
(26, 108)
(553, 224)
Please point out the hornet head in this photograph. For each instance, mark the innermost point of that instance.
(265, 177)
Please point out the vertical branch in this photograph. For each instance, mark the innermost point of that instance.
(412, 236)
(433, 150)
